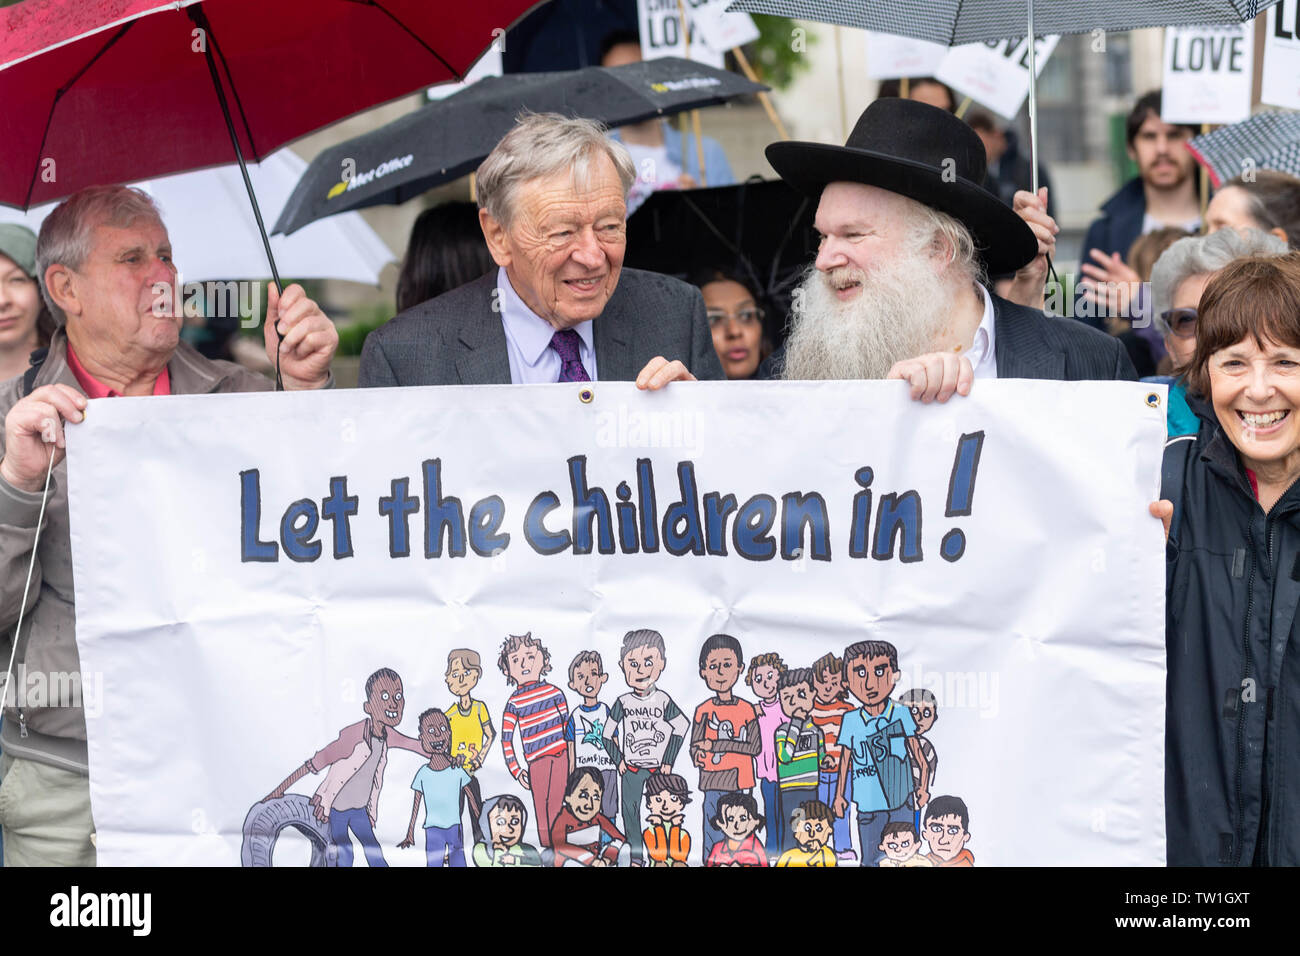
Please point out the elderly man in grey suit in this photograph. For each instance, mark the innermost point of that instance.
(908, 232)
(553, 208)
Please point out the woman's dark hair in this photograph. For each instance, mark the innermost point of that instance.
(446, 251)
(895, 88)
(1273, 200)
(702, 277)
(1257, 298)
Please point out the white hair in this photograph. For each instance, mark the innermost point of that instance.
(542, 144)
(1204, 255)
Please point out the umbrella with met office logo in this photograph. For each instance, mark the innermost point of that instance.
(450, 138)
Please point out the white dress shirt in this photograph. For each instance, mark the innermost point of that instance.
(982, 358)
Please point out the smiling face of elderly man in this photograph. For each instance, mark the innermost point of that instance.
(560, 235)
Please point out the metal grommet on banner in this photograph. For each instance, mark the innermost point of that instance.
(586, 395)
(1153, 399)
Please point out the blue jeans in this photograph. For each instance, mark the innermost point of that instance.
(871, 826)
(826, 783)
(359, 822)
(444, 844)
(771, 817)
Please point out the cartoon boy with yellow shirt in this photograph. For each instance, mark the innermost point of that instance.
(472, 733)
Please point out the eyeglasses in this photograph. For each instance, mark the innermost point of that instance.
(1181, 322)
(748, 316)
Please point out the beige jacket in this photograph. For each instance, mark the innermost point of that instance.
(51, 726)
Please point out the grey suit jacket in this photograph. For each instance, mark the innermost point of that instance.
(1030, 344)
(458, 339)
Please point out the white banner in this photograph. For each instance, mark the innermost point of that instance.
(264, 582)
(1208, 73)
(890, 56)
(1281, 85)
(719, 29)
(996, 74)
(660, 25)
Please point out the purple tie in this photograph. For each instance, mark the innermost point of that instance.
(565, 342)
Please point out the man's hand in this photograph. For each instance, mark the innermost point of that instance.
(1164, 510)
(936, 376)
(34, 434)
(658, 372)
(1109, 282)
(1027, 289)
(303, 335)
(922, 797)
(622, 767)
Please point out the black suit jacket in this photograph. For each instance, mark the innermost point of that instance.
(459, 339)
(1028, 343)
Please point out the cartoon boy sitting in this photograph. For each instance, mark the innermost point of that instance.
(503, 820)
(812, 823)
(900, 844)
(582, 835)
(946, 823)
(666, 843)
(738, 819)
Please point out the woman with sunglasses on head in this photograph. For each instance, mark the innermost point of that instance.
(736, 321)
(1178, 279)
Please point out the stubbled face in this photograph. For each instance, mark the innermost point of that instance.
(435, 735)
(588, 679)
(900, 846)
(20, 304)
(828, 685)
(564, 247)
(386, 702)
(1186, 296)
(584, 801)
(460, 678)
(764, 680)
(1160, 150)
(812, 834)
(642, 667)
(115, 296)
(525, 664)
(736, 823)
(665, 804)
(506, 826)
(737, 327)
(1256, 396)
(797, 701)
(1230, 209)
(946, 836)
(871, 681)
(720, 671)
(923, 715)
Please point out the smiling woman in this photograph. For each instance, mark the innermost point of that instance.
(25, 323)
(1234, 578)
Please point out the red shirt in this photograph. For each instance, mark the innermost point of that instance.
(94, 388)
(749, 853)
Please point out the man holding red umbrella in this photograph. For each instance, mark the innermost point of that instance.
(102, 257)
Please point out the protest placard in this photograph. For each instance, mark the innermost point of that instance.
(1208, 74)
(890, 56)
(660, 26)
(995, 74)
(1281, 84)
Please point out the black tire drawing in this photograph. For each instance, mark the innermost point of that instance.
(266, 821)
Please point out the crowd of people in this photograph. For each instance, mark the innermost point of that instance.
(905, 285)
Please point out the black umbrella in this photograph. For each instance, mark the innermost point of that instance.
(761, 230)
(445, 140)
(565, 34)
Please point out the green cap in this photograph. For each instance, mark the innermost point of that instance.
(19, 244)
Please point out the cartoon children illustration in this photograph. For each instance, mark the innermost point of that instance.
(649, 724)
(800, 749)
(666, 843)
(811, 823)
(725, 736)
(830, 704)
(439, 783)
(876, 741)
(946, 830)
(584, 732)
(900, 844)
(503, 819)
(738, 818)
(925, 711)
(765, 672)
(472, 733)
(582, 835)
(538, 711)
(348, 798)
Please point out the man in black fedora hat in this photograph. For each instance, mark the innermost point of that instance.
(908, 238)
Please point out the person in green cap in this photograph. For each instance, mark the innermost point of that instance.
(25, 323)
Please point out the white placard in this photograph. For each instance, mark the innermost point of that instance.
(245, 563)
(995, 74)
(660, 26)
(1282, 56)
(890, 56)
(718, 28)
(1208, 73)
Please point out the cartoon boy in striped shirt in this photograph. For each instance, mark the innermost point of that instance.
(538, 711)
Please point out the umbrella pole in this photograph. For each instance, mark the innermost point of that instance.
(1205, 181)
(839, 81)
(763, 98)
(1033, 125)
(904, 87)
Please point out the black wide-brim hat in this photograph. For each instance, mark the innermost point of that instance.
(926, 154)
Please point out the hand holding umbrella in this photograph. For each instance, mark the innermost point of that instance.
(301, 334)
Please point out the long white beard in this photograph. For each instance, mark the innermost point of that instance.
(901, 312)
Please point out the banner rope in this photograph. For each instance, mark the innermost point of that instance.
(31, 570)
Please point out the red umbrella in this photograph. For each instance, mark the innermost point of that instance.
(110, 91)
